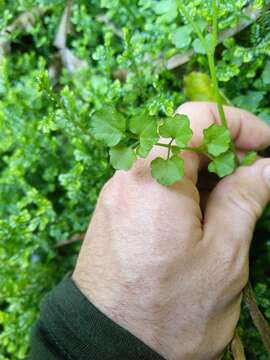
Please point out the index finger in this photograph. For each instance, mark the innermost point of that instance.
(247, 130)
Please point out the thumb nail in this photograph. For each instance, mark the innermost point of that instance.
(266, 174)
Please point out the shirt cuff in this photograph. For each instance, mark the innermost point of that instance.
(70, 327)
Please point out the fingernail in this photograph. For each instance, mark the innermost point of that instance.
(266, 174)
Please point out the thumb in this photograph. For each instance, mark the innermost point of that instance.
(237, 202)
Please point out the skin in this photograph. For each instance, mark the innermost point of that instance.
(170, 263)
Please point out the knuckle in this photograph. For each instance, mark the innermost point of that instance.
(185, 106)
(190, 105)
(245, 202)
(113, 189)
(140, 170)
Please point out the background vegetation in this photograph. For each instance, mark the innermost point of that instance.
(60, 61)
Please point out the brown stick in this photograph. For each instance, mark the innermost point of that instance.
(257, 317)
(237, 348)
(67, 58)
(63, 28)
(73, 239)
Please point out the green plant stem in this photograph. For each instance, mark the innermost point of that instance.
(214, 25)
(132, 136)
(212, 66)
(212, 69)
(169, 148)
(198, 150)
(210, 52)
(162, 145)
(193, 24)
(211, 58)
(194, 149)
(135, 144)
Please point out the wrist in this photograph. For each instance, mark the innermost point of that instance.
(121, 305)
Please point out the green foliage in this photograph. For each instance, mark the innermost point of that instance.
(249, 158)
(51, 165)
(177, 128)
(145, 127)
(266, 74)
(122, 157)
(181, 37)
(198, 46)
(168, 171)
(250, 101)
(223, 165)
(217, 139)
(108, 126)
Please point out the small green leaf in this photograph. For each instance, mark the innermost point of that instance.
(249, 158)
(108, 126)
(198, 46)
(265, 116)
(250, 101)
(178, 128)
(181, 37)
(167, 10)
(217, 139)
(223, 165)
(266, 74)
(164, 6)
(202, 24)
(122, 157)
(167, 172)
(145, 127)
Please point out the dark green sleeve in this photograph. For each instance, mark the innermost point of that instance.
(71, 328)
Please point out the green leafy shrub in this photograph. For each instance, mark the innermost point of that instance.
(121, 54)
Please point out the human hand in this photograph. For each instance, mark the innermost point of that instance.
(169, 264)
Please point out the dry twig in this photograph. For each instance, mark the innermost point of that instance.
(237, 348)
(67, 58)
(73, 239)
(63, 28)
(257, 317)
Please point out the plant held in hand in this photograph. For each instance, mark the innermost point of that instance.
(134, 137)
